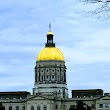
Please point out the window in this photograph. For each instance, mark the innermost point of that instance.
(0, 97)
(52, 77)
(106, 105)
(45, 108)
(7, 98)
(62, 78)
(64, 106)
(72, 106)
(32, 107)
(58, 77)
(23, 107)
(56, 107)
(93, 106)
(100, 105)
(42, 78)
(10, 107)
(47, 78)
(50, 41)
(38, 107)
(17, 107)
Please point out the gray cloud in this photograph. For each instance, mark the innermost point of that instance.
(83, 40)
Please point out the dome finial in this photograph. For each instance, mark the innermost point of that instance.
(49, 32)
(50, 27)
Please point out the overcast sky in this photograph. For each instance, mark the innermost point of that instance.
(83, 39)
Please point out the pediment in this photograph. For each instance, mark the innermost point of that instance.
(104, 98)
(38, 97)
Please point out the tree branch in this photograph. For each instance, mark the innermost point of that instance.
(102, 10)
(94, 1)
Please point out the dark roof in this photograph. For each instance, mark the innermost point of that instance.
(87, 90)
(15, 92)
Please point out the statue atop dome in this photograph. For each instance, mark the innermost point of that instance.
(50, 27)
(50, 32)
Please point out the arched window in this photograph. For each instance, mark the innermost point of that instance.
(45, 107)
(32, 107)
(38, 107)
(47, 78)
(62, 78)
(10, 107)
(58, 78)
(42, 78)
(53, 77)
(23, 107)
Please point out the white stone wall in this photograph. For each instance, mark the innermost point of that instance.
(61, 103)
(41, 103)
(6, 105)
(105, 101)
(51, 89)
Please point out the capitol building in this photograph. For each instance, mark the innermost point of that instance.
(50, 90)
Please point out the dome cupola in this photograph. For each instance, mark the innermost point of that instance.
(50, 70)
(50, 52)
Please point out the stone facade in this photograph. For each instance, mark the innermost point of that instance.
(50, 78)
(48, 102)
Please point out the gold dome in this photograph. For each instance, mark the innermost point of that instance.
(50, 53)
(49, 33)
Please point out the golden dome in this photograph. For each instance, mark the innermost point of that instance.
(50, 53)
(49, 33)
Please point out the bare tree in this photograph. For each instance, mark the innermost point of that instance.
(80, 106)
(102, 9)
(2, 107)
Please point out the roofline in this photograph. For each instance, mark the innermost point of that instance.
(15, 92)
